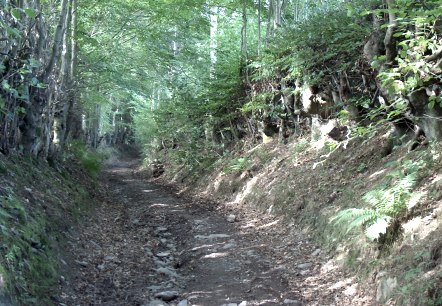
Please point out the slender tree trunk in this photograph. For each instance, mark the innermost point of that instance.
(277, 20)
(213, 39)
(259, 27)
(62, 99)
(74, 126)
(269, 32)
(58, 40)
(244, 51)
(390, 40)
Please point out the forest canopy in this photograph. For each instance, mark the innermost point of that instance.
(188, 80)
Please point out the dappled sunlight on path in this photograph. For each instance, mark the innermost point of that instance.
(147, 245)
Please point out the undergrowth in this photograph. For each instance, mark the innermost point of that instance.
(91, 161)
(387, 203)
(237, 165)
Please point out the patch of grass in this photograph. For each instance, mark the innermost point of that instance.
(237, 165)
(91, 161)
(362, 167)
(263, 155)
(300, 146)
(27, 261)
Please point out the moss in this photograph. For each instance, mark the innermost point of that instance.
(26, 255)
(3, 169)
(38, 205)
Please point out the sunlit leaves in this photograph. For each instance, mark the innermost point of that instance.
(30, 12)
(16, 13)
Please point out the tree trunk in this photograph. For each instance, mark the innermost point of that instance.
(244, 43)
(213, 39)
(34, 122)
(73, 125)
(389, 39)
(269, 32)
(428, 118)
(259, 27)
(62, 99)
(345, 95)
(58, 40)
(277, 19)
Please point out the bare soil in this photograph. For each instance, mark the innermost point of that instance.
(145, 244)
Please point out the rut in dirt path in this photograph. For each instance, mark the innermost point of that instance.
(146, 246)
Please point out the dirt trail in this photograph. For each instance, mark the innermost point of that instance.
(147, 246)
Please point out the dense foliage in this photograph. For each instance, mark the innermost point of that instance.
(188, 79)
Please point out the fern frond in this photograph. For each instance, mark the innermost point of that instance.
(354, 217)
(368, 216)
(379, 227)
(346, 215)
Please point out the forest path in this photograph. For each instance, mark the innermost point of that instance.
(147, 246)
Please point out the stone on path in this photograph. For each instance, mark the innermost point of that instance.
(161, 229)
(183, 303)
(292, 302)
(163, 254)
(212, 236)
(167, 295)
(156, 303)
(316, 252)
(231, 218)
(82, 263)
(167, 271)
(232, 244)
(305, 265)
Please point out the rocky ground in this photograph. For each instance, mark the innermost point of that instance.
(147, 245)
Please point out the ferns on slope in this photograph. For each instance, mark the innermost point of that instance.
(387, 203)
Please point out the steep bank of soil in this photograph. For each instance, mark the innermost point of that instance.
(306, 188)
(146, 245)
(38, 202)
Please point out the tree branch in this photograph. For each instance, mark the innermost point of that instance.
(436, 55)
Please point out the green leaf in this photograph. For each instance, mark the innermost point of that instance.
(350, 11)
(13, 32)
(16, 13)
(5, 85)
(30, 12)
(34, 63)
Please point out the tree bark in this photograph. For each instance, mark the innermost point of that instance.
(62, 99)
(244, 50)
(73, 125)
(58, 40)
(269, 32)
(259, 27)
(389, 39)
